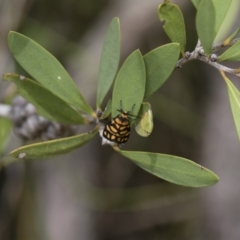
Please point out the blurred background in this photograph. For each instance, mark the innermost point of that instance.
(93, 193)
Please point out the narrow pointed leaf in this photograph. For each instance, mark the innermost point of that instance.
(221, 10)
(109, 61)
(47, 70)
(210, 16)
(205, 23)
(234, 97)
(54, 147)
(174, 23)
(174, 169)
(144, 122)
(46, 103)
(129, 87)
(231, 54)
(160, 63)
(231, 37)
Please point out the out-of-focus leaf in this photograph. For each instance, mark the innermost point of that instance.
(46, 69)
(144, 124)
(107, 110)
(174, 23)
(143, 197)
(160, 63)
(231, 54)
(53, 147)
(234, 97)
(210, 16)
(129, 87)
(174, 169)
(46, 103)
(230, 38)
(176, 116)
(196, 3)
(5, 129)
(109, 61)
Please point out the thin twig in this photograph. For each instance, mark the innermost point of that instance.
(198, 54)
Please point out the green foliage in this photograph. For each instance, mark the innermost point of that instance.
(234, 97)
(46, 103)
(54, 147)
(173, 169)
(46, 69)
(221, 9)
(205, 23)
(144, 124)
(5, 128)
(107, 111)
(138, 78)
(210, 16)
(230, 38)
(129, 87)
(160, 63)
(196, 3)
(174, 25)
(231, 54)
(109, 61)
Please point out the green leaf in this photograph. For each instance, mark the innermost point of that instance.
(144, 124)
(174, 25)
(129, 87)
(54, 147)
(221, 10)
(210, 16)
(231, 54)
(5, 129)
(173, 169)
(46, 103)
(160, 63)
(196, 3)
(107, 110)
(46, 69)
(234, 97)
(205, 23)
(230, 38)
(109, 61)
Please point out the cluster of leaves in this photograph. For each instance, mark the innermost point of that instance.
(56, 97)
